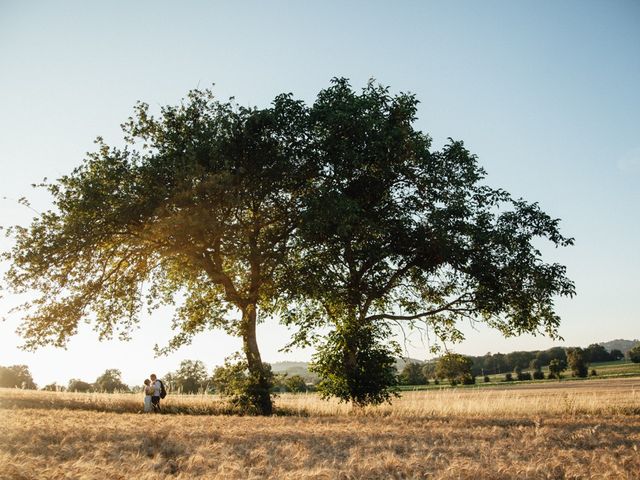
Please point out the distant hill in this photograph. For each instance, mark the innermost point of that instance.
(302, 368)
(401, 362)
(294, 368)
(623, 345)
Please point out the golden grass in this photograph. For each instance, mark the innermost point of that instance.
(559, 432)
(115, 402)
(619, 396)
(603, 397)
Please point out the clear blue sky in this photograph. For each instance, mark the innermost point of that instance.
(544, 92)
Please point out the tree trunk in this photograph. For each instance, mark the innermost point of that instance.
(260, 376)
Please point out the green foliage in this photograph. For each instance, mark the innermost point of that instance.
(523, 376)
(429, 369)
(538, 375)
(454, 367)
(394, 231)
(341, 211)
(190, 377)
(295, 384)
(577, 361)
(616, 354)
(356, 366)
(486, 379)
(468, 380)
(598, 353)
(634, 354)
(16, 376)
(556, 367)
(245, 389)
(196, 211)
(110, 381)
(76, 385)
(536, 366)
(508, 377)
(544, 357)
(412, 374)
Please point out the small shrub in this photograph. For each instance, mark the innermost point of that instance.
(468, 380)
(486, 379)
(538, 375)
(593, 372)
(508, 377)
(522, 376)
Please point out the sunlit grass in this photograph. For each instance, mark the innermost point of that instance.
(560, 431)
(604, 397)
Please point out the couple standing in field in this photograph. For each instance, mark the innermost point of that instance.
(153, 392)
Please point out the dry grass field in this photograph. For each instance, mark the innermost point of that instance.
(571, 430)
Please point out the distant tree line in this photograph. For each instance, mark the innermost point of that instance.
(520, 365)
(191, 376)
(109, 382)
(501, 363)
(19, 376)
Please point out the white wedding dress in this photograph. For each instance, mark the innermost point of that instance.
(147, 402)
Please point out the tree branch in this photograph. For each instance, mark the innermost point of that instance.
(445, 308)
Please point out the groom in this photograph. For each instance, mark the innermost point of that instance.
(155, 397)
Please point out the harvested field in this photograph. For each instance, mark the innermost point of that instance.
(448, 434)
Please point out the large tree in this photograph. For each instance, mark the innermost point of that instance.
(77, 385)
(454, 367)
(412, 374)
(396, 232)
(578, 361)
(191, 377)
(110, 381)
(198, 209)
(344, 206)
(16, 376)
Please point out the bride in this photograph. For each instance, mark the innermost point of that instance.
(148, 391)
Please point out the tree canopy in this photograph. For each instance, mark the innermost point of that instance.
(412, 374)
(578, 361)
(16, 376)
(454, 367)
(200, 205)
(77, 385)
(190, 377)
(110, 381)
(395, 232)
(336, 216)
(634, 354)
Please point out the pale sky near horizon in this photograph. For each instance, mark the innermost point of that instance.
(545, 93)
